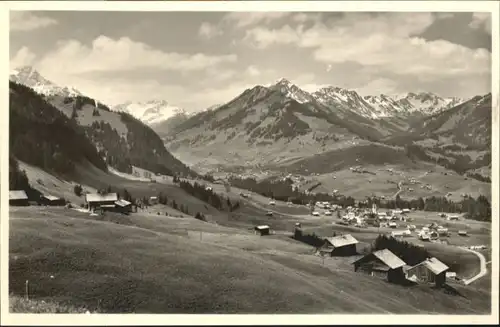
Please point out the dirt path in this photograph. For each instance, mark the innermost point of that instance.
(482, 262)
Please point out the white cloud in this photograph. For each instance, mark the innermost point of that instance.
(209, 31)
(246, 19)
(378, 86)
(27, 21)
(383, 42)
(23, 57)
(107, 55)
(253, 71)
(481, 20)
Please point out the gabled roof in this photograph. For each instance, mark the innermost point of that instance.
(95, 197)
(343, 240)
(434, 265)
(18, 195)
(122, 203)
(51, 197)
(262, 227)
(389, 258)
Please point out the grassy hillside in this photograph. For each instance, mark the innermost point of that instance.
(153, 268)
(372, 154)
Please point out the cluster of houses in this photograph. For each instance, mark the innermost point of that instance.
(20, 198)
(432, 232)
(361, 218)
(94, 201)
(385, 264)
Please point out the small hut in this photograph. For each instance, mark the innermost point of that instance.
(262, 230)
(18, 198)
(123, 206)
(50, 200)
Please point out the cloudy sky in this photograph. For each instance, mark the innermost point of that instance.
(197, 59)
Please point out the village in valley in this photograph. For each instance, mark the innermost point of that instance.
(264, 196)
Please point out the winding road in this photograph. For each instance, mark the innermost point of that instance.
(483, 270)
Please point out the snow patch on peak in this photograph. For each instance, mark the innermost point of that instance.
(150, 112)
(292, 91)
(30, 77)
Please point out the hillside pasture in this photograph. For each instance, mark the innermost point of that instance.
(110, 267)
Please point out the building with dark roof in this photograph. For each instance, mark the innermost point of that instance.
(343, 245)
(430, 270)
(262, 230)
(383, 264)
(51, 200)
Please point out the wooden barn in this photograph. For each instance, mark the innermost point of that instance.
(383, 264)
(342, 245)
(262, 230)
(123, 206)
(97, 201)
(428, 271)
(50, 200)
(18, 198)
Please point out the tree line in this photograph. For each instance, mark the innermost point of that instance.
(283, 190)
(474, 208)
(207, 195)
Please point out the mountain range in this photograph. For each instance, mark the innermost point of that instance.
(280, 124)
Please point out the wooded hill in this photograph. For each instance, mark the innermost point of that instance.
(42, 136)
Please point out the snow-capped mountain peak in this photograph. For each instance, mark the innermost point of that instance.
(150, 112)
(29, 76)
(292, 91)
(426, 103)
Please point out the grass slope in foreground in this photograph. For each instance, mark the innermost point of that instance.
(154, 268)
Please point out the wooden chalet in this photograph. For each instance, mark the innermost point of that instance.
(428, 271)
(383, 264)
(342, 245)
(100, 201)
